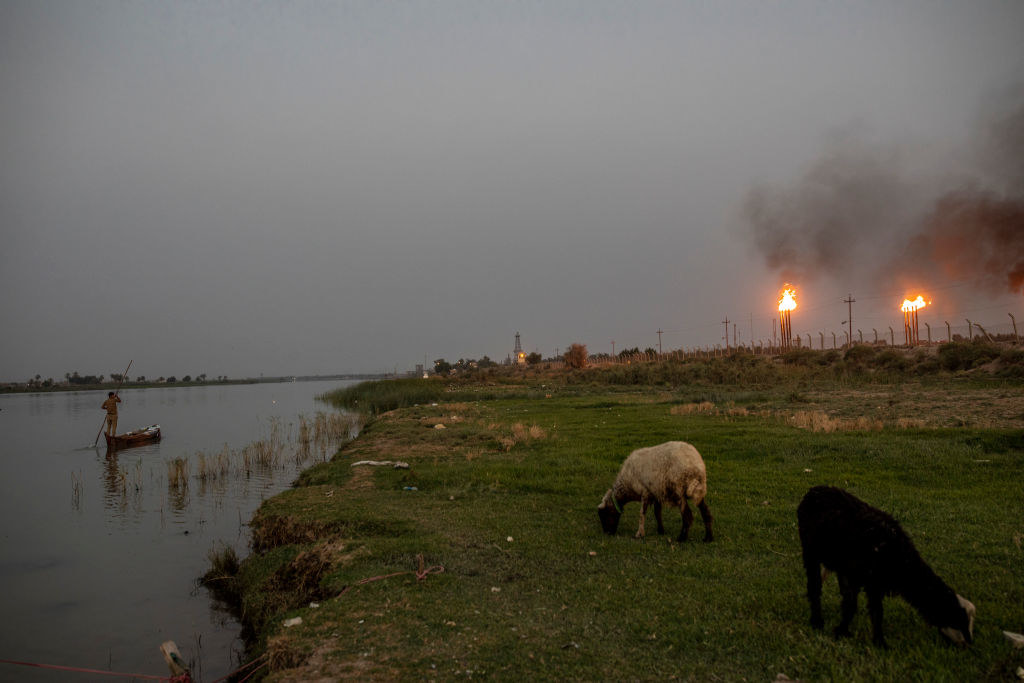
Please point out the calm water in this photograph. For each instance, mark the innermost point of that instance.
(98, 555)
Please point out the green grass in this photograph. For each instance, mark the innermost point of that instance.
(563, 600)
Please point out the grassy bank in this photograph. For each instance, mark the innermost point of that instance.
(503, 497)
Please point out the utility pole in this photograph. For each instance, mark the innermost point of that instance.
(613, 348)
(970, 330)
(849, 316)
(726, 323)
(1016, 338)
(949, 333)
(659, 341)
(734, 334)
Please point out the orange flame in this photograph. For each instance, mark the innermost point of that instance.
(914, 305)
(788, 300)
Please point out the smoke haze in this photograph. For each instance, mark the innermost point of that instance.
(883, 213)
(296, 188)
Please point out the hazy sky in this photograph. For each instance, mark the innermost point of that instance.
(314, 187)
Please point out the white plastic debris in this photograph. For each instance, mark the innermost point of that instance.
(509, 539)
(439, 426)
(397, 464)
(1015, 638)
(295, 621)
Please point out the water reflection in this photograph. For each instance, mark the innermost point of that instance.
(115, 540)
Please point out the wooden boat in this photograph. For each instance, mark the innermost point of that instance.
(138, 437)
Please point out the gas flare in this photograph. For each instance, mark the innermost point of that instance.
(787, 302)
(910, 326)
(914, 305)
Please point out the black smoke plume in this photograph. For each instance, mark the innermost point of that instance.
(859, 214)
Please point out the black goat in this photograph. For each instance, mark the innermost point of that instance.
(868, 549)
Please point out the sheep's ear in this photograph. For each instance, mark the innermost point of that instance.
(606, 501)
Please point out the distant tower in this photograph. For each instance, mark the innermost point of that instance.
(517, 352)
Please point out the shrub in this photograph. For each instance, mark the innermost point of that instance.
(859, 353)
(800, 357)
(966, 355)
(576, 356)
(891, 359)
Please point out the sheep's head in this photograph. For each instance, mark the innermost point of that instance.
(609, 513)
(961, 630)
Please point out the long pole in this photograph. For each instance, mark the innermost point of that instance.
(123, 375)
(849, 300)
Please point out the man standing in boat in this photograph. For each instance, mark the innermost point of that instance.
(110, 405)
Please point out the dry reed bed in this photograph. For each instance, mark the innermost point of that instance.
(813, 420)
(315, 438)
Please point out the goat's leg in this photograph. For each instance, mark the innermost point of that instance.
(705, 514)
(849, 592)
(687, 520)
(657, 516)
(875, 611)
(813, 569)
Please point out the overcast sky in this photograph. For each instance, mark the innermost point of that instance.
(241, 188)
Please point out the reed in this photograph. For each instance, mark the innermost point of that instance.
(521, 434)
(177, 473)
(818, 421)
(121, 481)
(76, 490)
(693, 408)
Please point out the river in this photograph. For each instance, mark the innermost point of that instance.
(99, 555)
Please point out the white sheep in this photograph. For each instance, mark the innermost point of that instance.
(671, 473)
